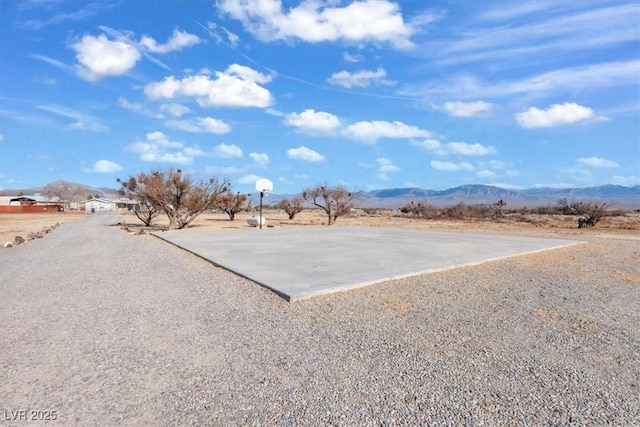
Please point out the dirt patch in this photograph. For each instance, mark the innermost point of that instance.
(23, 224)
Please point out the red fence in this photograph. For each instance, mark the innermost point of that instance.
(31, 209)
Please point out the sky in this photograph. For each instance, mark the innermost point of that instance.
(369, 94)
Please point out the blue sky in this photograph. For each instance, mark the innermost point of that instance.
(370, 94)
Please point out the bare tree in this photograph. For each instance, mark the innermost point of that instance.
(589, 213)
(177, 195)
(231, 204)
(147, 211)
(291, 206)
(66, 192)
(334, 201)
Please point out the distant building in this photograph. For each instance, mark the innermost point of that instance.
(106, 205)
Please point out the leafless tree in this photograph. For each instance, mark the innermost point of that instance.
(131, 190)
(66, 192)
(334, 201)
(177, 195)
(231, 204)
(589, 213)
(291, 206)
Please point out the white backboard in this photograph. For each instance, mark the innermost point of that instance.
(264, 185)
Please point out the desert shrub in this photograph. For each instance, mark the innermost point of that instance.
(589, 213)
(420, 210)
(458, 211)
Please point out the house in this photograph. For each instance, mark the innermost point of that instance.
(99, 205)
(106, 205)
(32, 203)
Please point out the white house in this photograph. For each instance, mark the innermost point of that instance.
(99, 205)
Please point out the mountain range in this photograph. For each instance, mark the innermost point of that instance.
(616, 195)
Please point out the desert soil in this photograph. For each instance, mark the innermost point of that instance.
(100, 326)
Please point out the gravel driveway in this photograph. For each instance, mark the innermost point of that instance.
(100, 327)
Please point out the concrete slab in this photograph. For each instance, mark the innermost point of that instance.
(299, 263)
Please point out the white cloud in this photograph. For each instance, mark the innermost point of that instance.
(304, 153)
(465, 109)
(362, 78)
(103, 166)
(385, 167)
(627, 181)
(312, 121)
(227, 151)
(597, 162)
(138, 108)
(100, 57)
(261, 159)
(249, 179)
(178, 40)
(174, 109)
(465, 149)
(199, 124)
(455, 148)
(450, 166)
(81, 120)
(160, 149)
(360, 21)
(593, 76)
(556, 115)
(486, 174)
(353, 58)
(237, 86)
(374, 130)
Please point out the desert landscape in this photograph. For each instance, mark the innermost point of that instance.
(624, 226)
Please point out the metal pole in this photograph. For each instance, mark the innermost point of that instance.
(261, 194)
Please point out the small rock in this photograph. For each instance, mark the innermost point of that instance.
(18, 240)
(8, 244)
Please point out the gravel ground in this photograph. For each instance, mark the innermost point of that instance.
(109, 328)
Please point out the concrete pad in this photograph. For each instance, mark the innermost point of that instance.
(299, 263)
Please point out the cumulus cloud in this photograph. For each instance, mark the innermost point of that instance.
(312, 121)
(374, 130)
(199, 124)
(304, 153)
(178, 40)
(465, 109)
(157, 147)
(261, 159)
(450, 166)
(556, 115)
(227, 151)
(103, 166)
(100, 57)
(313, 21)
(237, 86)
(597, 162)
(362, 78)
(455, 148)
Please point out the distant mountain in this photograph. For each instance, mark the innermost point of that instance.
(617, 195)
(393, 198)
(70, 190)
